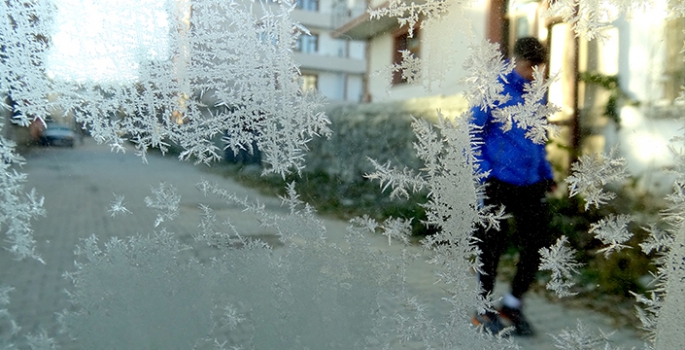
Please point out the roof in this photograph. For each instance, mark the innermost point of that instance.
(363, 27)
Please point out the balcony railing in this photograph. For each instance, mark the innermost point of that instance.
(344, 12)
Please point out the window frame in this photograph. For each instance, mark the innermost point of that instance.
(304, 43)
(307, 5)
(403, 41)
(305, 82)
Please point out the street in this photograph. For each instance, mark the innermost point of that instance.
(80, 184)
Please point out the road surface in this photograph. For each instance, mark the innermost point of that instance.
(80, 184)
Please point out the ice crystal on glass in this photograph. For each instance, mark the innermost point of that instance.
(612, 231)
(591, 173)
(206, 76)
(409, 14)
(242, 87)
(532, 114)
(486, 65)
(560, 260)
(118, 206)
(165, 202)
(311, 294)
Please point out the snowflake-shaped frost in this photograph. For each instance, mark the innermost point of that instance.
(486, 65)
(591, 172)
(118, 206)
(398, 229)
(560, 260)
(532, 114)
(408, 14)
(165, 202)
(612, 231)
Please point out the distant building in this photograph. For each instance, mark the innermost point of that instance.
(385, 38)
(335, 67)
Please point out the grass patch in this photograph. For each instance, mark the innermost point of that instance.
(333, 197)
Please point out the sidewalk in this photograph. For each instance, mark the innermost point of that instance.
(80, 184)
(547, 318)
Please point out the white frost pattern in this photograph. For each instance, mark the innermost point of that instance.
(23, 35)
(165, 202)
(486, 65)
(118, 206)
(612, 231)
(560, 260)
(591, 173)
(243, 87)
(239, 84)
(532, 114)
(452, 181)
(311, 294)
(409, 14)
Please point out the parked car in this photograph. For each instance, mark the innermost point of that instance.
(57, 135)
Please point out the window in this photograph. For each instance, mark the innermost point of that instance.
(307, 43)
(308, 5)
(523, 21)
(310, 82)
(404, 42)
(168, 254)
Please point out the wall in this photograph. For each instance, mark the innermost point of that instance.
(646, 129)
(332, 85)
(444, 47)
(337, 62)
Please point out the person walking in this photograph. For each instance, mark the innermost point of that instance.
(519, 177)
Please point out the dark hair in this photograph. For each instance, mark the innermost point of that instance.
(531, 49)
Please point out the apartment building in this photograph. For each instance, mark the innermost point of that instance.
(442, 49)
(335, 67)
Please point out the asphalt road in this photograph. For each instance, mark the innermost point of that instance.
(79, 186)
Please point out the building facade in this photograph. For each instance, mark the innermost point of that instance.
(335, 67)
(441, 46)
(617, 91)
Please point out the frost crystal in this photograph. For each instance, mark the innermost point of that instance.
(588, 17)
(221, 74)
(242, 87)
(118, 206)
(17, 209)
(560, 260)
(408, 14)
(452, 180)
(232, 316)
(486, 66)
(409, 67)
(310, 294)
(591, 172)
(658, 240)
(6, 319)
(662, 310)
(532, 114)
(612, 231)
(397, 228)
(581, 339)
(365, 222)
(401, 181)
(41, 341)
(165, 202)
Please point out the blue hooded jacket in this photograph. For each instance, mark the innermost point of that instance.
(510, 156)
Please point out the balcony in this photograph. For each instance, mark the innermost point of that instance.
(330, 63)
(354, 22)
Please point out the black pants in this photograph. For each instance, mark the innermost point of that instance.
(529, 207)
